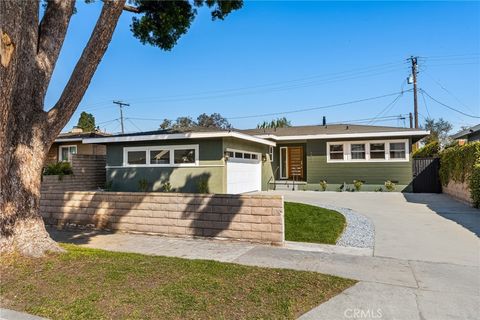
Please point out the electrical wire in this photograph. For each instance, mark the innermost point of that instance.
(449, 107)
(316, 108)
(425, 103)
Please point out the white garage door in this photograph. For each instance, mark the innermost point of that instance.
(244, 172)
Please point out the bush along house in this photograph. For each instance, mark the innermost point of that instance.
(238, 161)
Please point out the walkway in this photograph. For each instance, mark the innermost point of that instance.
(399, 289)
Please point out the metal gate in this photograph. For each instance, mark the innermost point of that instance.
(426, 178)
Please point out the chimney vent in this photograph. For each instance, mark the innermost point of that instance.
(324, 121)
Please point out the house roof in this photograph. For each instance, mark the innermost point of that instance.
(79, 136)
(333, 131)
(465, 133)
(175, 134)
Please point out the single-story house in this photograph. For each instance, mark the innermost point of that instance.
(237, 161)
(468, 135)
(70, 143)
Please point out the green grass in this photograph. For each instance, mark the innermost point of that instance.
(95, 284)
(307, 223)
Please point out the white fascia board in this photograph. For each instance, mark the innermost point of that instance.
(176, 136)
(348, 135)
(68, 139)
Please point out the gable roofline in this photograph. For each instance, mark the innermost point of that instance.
(177, 136)
(466, 132)
(422, 133)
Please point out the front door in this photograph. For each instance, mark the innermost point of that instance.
(295, 163)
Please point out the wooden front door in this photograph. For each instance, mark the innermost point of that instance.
(295, 163)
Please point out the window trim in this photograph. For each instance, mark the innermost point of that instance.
(271, 151)
(347, 154)
(70, 155)
(286, 163)
(170, 148)
(251, 160)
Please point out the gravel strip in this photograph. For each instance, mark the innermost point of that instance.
(359, 232)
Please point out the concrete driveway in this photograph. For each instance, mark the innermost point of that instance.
(420, 227)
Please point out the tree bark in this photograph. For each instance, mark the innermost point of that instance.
(29, 51)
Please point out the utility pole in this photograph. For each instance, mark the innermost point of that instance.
(414, 76)
(121, 105)
(411, 119)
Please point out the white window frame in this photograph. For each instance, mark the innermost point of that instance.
(344, 151)
(170, 148)
(259, 155)
(347, 155)
(69, 154)
(271, 151)
(286, 162)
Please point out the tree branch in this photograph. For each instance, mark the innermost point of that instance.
(131, 9)
(52, 31)
(85, 68)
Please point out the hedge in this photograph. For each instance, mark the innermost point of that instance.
(462, 164)
(427, 151)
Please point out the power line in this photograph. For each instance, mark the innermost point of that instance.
(316, 108)
(449, 107)
(425, 103)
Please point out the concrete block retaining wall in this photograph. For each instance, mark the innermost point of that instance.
(459, 191)
(88, 174)
(255, 218)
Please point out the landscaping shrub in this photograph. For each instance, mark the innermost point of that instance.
(323, 185)
(462, 164)
(357, 184)
(390, 186)
(143, 185)
(167, 187)
(203, 186)
(428, 151)
(60, 168)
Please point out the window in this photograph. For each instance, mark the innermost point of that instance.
(358, 151)
(184, 156)
(66, 152)
(270, 153)
(160, 157)
(336, 152)
(397, 150)
(137, 157)
(377, 150)
(243, 155)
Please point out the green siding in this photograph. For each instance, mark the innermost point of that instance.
(373, 173)
(184, 179)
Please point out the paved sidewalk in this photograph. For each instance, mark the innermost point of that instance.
(398, 289)
(7, 314)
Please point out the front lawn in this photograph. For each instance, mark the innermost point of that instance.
(95, 284)
(307, 223)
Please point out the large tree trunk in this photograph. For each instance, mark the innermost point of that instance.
(28, 53)
(22, 229)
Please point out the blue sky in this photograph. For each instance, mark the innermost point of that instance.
(273, 57)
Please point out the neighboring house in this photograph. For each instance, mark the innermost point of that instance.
(70, 143)
(468, 135)
(232, 161)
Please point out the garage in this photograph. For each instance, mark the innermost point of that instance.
(244, 172)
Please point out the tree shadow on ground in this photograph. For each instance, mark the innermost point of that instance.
(210, 215)
(449, 208)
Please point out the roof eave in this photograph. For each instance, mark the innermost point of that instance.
(422, 133)
(177, 136)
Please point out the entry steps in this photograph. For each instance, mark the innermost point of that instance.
(286, 185)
